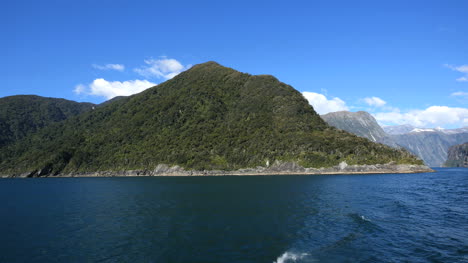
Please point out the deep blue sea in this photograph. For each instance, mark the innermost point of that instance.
(329, 218)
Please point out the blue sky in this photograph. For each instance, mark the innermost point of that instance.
(403, 61)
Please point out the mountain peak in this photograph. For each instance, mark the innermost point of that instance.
(204, 69)
(209, 65)
(213, 67)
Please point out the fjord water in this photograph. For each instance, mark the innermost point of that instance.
(329, 218)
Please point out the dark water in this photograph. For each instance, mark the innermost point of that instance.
(355, 218)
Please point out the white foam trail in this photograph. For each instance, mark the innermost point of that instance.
(365, 219)
(290, 257)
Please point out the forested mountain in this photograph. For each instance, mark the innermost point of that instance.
(23, 115)
(208, 117)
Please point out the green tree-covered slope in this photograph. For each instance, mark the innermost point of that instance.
(208, 117)
(23, 115)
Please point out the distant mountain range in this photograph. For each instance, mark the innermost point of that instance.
(397, 129)
(431, 145)
(209, 117)
(406, 128)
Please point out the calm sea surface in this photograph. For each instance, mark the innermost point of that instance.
(332, 218)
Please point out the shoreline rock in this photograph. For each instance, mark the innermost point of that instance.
(278, 168)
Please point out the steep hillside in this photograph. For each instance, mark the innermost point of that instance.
(23, 115)
(208, 117)
(360, 123)
(457, 156)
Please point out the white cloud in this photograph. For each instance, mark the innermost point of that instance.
(375, 101)
(79, 89)
(462, 69)
(322, 105)
(166, 68)
(118, 67)
(109, 89)
(434, 116)
(460, 94)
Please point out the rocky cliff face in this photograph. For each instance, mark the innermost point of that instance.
(277, 168)
(360, 123)
(458, 156)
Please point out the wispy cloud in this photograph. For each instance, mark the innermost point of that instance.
(165, 68)
(460, 94)
(462, 69)
(322, 105)
(109, 89)
(117, 67)
(374, 101)
(446, 29)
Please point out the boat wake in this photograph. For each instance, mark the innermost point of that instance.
(288, 257)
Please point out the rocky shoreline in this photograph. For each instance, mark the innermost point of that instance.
(278, 168)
